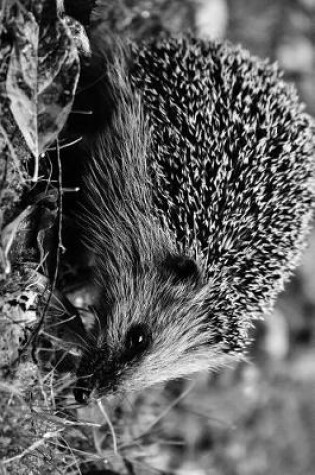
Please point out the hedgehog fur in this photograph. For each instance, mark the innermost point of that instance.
(200, 192)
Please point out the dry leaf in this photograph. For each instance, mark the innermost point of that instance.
(41, 80)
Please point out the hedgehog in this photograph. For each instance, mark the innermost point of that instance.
(198, 197)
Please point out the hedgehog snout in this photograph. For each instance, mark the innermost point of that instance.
(88, 373)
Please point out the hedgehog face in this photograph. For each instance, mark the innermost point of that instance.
(161, 327)
(101, 370)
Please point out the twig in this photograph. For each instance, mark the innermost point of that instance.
(110, 425)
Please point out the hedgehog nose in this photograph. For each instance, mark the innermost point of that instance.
(82, 391)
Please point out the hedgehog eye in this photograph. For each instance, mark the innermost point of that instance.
(182, 268)
(138, 339)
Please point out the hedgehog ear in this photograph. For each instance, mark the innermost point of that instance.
(180, 268)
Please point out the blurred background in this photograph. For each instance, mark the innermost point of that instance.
(259, 418)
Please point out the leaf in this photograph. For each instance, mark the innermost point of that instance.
(42, 77)
(59, 68)
(21, 83)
